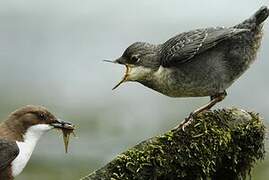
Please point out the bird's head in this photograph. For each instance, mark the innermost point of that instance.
(36, 119)
(140, 59)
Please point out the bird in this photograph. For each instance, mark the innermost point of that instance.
(19, 134)
(197, 63)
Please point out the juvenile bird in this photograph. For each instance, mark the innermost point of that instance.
(201, 62)
(19, 134)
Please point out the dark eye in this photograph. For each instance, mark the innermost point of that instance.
(42, 116)
(134, 58)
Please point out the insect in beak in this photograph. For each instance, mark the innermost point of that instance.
(67, 128)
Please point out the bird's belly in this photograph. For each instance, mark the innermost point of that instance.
(188, 89)
(190, 83)
(185, 91)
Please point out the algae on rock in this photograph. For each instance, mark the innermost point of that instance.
(220, 144)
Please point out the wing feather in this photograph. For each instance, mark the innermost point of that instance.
(8, 152)
(185, 46)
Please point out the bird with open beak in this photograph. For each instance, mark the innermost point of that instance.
(19, 134)
(201, 62)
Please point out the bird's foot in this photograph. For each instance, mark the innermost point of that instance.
(187, 121)
(214, 99)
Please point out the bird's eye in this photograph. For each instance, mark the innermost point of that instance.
(134, 59)
(42, 116)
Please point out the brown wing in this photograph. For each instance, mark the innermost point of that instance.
(185, 46)
(8, 152)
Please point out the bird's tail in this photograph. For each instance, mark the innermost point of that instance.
(255, 20)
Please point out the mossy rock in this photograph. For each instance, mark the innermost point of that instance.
(221, 144)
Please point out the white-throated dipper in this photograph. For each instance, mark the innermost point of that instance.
(19, 134)
(201, 62)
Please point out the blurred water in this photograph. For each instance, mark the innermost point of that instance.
(51, 52)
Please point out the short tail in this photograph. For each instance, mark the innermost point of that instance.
(258, 18)
(261, 15)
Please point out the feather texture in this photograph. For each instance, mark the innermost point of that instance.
(185, 46)
(8, 152)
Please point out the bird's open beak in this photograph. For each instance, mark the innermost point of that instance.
(67, 128)
(124, 77)
(117, 61)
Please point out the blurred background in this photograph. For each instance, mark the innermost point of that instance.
(51, 54)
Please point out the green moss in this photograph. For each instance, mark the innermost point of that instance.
(223, 144)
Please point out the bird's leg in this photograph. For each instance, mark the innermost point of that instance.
(213, 100)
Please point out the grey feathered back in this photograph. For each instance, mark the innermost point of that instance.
(185, 46)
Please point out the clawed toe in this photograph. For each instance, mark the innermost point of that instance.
(186, 122)
(214, 99)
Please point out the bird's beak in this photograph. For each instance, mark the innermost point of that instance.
(60, 124)
(124, 77)
(67, 128)
(109, 61)
(119, 61)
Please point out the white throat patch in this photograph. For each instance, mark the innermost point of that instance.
(26, 147)
(137, 73)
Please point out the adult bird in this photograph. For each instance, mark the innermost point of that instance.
(19, 134)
